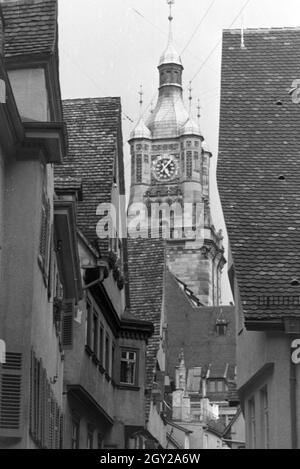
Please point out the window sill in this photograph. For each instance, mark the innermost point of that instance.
(128, 387)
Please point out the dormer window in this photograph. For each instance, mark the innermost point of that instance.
(128, 367)
(221, 327)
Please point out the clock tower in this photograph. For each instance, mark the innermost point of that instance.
(170, 165)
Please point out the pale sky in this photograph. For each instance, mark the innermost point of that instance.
(110, 47)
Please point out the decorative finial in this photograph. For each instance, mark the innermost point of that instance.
(141, 93)
(190, 96)
(170, 3)
(190, 90)
(198, 109)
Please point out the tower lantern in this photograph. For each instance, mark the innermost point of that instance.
(170, 166)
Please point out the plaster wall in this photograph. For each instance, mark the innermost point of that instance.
(29, 86)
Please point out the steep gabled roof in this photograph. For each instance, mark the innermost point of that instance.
(259, 167)
(94, 133)
(30, 27)
(146, 267)
(193, 330)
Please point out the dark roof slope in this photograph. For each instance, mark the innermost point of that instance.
(30, 27)
(146, 266)
(259, 165)
(94, 133)
(193, 330)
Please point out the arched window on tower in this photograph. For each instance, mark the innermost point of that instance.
(172, 224)
(189, 164)
(138, 168)
(197, 161)
(146, 160)
(133, 166)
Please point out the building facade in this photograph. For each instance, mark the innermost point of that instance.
(258, 178)
(32, 139)
(104, 379)
(72, 368)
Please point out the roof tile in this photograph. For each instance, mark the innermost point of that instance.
(30, 27)
(258, 168)
(92, 126)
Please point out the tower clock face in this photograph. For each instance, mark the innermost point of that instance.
(165, 168)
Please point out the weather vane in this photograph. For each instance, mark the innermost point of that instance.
(170, 3)
(141, 93)
(190, 95)
(199, 109)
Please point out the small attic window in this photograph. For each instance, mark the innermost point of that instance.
(279, 103)
(295, 282)
(221, 327)
(281, 178)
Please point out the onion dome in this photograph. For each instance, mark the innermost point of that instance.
(170, 55)
(141, 130)
(205, 148)
(169, 115)
(191, 127)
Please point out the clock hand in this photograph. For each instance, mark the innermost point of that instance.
(165, 167)
(167, 164)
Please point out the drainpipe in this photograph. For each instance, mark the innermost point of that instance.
(292, 329)
(293, 404)
(103, 274)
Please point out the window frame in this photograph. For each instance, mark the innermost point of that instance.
(90, 436)
(95, 333)
(75, 423)
(252, 422)
(265, 416)
(89, 319)
(136, 369)
(107, 354)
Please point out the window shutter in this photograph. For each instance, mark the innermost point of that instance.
(67, 324)
(32, 394)
(11, 396)
(57, 426)
(61, 431)
(39, 403)
(45, 414)
(45, 237)
(47, 418)
(52, 422)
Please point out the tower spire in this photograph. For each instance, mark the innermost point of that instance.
(199, 110)
(170, 3)
(170, 55)
(141, 94)
(190, 98)
(141, 130)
